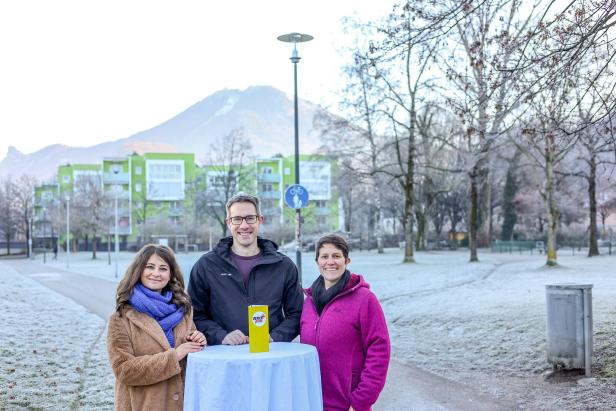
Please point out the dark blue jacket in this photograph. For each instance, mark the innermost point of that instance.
(220, 300)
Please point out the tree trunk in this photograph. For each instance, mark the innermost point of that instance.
(348, 211)
(484, 232)
(420, 239)
(94, 245)
(474, 219)
(552, 208)
(593, 247)
(408, 226)
(379, 226)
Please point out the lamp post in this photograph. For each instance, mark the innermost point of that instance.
(68, 229)
(30, 239)
(296, 38)
(116, 170)
(45, 235)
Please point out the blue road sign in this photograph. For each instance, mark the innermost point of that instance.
(296, 196)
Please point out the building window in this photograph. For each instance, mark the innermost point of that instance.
(66, 179)
(138, 187)
(267, 170)
(165, 179)
(94, 176)
(266, 187)
(287, 171)
(320, 203)
(138, 170)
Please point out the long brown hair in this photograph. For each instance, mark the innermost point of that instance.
(136, 267)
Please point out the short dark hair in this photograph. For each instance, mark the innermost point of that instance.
(242, 197)
(336, 240)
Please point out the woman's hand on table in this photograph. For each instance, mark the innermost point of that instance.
(183, 350)
(235, 338)
(198, 337)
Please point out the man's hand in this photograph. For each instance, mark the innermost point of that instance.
(235, 338)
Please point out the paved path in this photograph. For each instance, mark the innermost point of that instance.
(407, 388)
(96, 294)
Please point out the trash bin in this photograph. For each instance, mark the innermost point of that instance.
(569, 325)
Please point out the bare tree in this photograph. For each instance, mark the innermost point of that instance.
(591, 154)
(568, 37)
(91, 208)
(228, 171)
(546, 146)
(23, 190)
(483, 95)
(9, 219)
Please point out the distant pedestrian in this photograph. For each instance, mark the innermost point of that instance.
(151, 332)
(344, 320)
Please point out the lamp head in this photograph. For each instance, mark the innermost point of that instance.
(295, 38)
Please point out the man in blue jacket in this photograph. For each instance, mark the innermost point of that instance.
(244, 270)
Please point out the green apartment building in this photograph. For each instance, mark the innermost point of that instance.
(164, 186)
(274, 175)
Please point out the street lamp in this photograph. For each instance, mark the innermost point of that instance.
(30, 254)
(67, 197)
(45, 235)
(296, 38)
(115, 169)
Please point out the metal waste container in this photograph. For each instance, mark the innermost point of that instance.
(569, 324)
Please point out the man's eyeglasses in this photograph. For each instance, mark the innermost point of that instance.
(237, 220)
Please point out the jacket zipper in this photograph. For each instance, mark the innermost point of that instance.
(317, 330)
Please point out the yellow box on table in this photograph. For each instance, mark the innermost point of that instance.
(258, 328)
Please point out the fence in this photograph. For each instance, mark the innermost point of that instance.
(575, 246)
(516, 246)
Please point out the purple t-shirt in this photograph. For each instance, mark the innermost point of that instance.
(245, 264)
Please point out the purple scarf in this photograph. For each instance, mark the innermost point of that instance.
(159, 307)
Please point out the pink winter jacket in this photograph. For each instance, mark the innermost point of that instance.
(353, 344)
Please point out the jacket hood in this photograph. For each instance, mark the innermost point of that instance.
(355, 283)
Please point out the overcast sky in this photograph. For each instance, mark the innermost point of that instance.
(81, 72)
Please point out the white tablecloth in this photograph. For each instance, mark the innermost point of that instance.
(229, 378)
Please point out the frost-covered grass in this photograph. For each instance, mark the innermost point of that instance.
(53, 350)
(482, 324)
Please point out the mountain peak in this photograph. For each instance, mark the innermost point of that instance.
(264, 113)
(13, 152)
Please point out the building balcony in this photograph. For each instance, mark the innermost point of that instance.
(122, 194)
(269, 195)
(322, 211)
(268, 178)
(113, 178)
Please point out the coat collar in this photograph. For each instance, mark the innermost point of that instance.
(149, 326)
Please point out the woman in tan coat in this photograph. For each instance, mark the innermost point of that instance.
(151, 333)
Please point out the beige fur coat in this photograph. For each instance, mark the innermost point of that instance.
(148, 374)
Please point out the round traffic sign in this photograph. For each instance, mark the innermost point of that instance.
(296, 196)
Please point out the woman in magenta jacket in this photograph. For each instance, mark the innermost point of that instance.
(343, 319)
